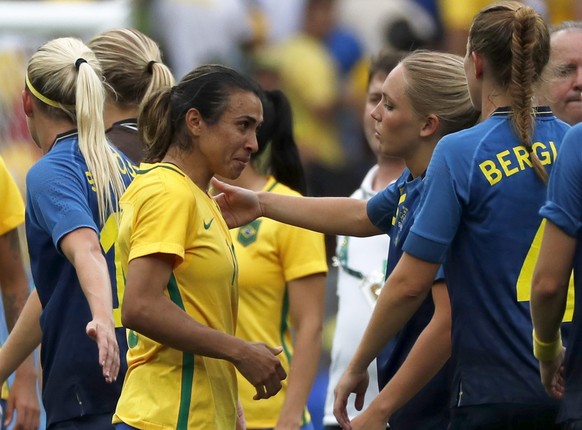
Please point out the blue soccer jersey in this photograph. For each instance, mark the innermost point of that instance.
(393, 211)
(61, 199)
(564, 209)
(479, 213)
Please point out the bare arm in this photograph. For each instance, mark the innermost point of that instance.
(147, 310)
(82, 249)
(430, 352)
(329, 215)
(402, 295)
(549, 295)
(306, 310)
(23, 397)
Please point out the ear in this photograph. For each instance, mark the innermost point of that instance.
(430, 126)
(194, 121)
(479, 64)
(27, 103)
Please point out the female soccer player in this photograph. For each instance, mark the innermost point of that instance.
(72, 194)
(181, 271)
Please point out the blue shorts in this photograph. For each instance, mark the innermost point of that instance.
(504, 417)
(88, 422)
(123, 426)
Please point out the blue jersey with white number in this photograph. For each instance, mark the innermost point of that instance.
(393, 212)
(479, 215)
(60, 199)
(564, 209)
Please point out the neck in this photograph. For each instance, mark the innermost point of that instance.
(48, 129)
(418, 163)
(188, 163)
(389, 169)
(114, 112)
(492, 98)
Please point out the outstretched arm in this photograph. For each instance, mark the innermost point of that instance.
(329, 215)
(147, 310)
(549, 294)
(430, 352)
(83, 250)
(402, 295)
(23, 397)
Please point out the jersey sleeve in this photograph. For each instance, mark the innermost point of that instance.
(161, 219)
(12, 206)
(440, 209)
(382, 207)
(564, 203)
(302, 252)
(57, 199)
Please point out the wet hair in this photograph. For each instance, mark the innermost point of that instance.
(515, 41)
(278, 153)
(435, 83)
(384, 62)
(66, 79)
(207, 89)
(132, 65)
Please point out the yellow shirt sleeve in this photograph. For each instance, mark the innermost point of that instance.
(12, 207)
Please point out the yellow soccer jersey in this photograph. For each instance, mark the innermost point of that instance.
(270, 254)
(12, 207)
(11, 214)
(164, 211)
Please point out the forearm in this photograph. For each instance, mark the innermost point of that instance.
(329, 215)
(430, 352)
(23, 339)
(13, 279)
(395, 306)
(304, 365)
(549, 290)
(547, 311)
(165, 322)
(94, 279)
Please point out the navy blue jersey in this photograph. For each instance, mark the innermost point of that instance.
(60, 199)
(393, 211)
(564, 209)
(479, 213)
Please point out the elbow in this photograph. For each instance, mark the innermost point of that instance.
(132, 315)
(407, 287)
(544, 288)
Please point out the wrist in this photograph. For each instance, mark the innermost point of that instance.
(547, 351)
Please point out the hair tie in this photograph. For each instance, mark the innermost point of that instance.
(150, 67)
(79, 62)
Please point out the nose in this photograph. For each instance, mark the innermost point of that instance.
(376, 112)
(252, 144)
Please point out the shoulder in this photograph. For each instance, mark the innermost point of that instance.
(158, 181)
